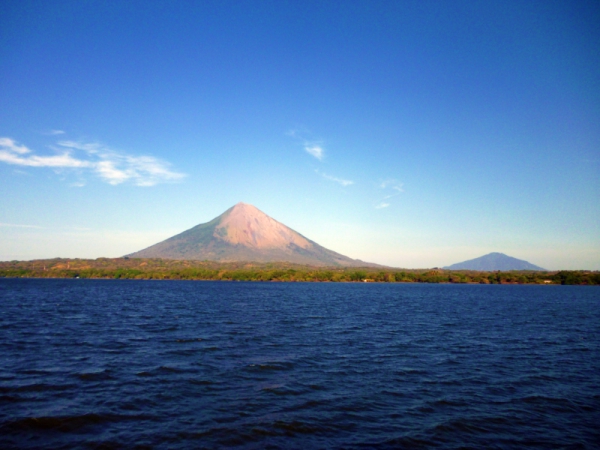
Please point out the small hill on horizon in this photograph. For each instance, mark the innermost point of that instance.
(244, 233)
(494, 261)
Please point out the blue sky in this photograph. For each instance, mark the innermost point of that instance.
(413, 134)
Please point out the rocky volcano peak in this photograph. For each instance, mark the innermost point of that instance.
(247, 225)
(245, 233)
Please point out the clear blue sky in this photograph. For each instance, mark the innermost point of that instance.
(413, 134)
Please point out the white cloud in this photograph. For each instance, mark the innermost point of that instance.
(111, 166)
(9, 145)
(393, 187)
(14, 225)
(392, 184)
(89, 148)
(337, 180)
(315, 150)
(299, 132)
(12, 153)
(52, 132)
(108, 171)
(313, 147)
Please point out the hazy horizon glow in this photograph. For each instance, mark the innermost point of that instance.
(412, 134)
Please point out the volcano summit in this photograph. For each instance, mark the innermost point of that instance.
(244, 233)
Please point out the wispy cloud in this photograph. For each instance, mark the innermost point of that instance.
(14, 225)
(311, 146)
(13, 153)
(52, 132)
(393, 185)
(315, 150)
(337, 180)
(293, 133)
(7, 144)
(392, 188)
(110, 165)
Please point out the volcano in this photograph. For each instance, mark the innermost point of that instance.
(245, 233)
(494, 261)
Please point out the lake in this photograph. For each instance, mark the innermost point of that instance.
(200, 364)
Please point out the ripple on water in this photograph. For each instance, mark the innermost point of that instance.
(70, 423)
(99, 375)
(263, 365)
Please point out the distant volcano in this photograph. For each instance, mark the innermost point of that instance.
(244, 233)
(494, 261)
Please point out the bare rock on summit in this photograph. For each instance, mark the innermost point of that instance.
(244, 233)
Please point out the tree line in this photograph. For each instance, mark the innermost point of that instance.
(160, 269)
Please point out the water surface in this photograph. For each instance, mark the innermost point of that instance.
(188, 364)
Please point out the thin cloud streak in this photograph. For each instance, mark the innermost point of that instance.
(315, 150)
(112, 167)
(9, 145)
(311, 146)
(336, 179)
(390, 184)
(14, 225)
(13, 153)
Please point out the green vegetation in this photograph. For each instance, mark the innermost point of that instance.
(164, 269)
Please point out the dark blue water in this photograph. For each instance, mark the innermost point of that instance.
(176, 364)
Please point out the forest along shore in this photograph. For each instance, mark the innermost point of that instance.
(165, 269)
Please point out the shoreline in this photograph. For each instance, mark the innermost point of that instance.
(162, 269)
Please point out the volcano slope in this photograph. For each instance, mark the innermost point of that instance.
(244, 233)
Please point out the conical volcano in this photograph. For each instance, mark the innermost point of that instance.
(494, 261)
(244, 233)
